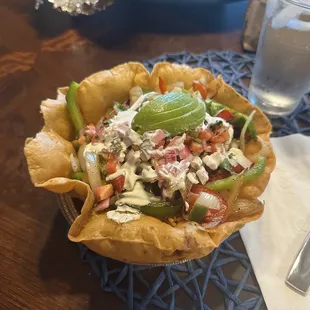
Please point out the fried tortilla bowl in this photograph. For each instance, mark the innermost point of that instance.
(147, 240)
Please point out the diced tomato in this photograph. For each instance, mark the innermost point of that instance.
(201, 88)
(196, 147)
(206, 147)
(162, 85)
(118, 183)
(213, 216)
(237, 169)
(103, 192)
(110, 166)
(205, 135)
(170, 156)
(221, 135)
(184, 152)
(209, 147)
(213, 148)
(225, 114)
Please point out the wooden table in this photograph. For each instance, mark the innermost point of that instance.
(39, 51)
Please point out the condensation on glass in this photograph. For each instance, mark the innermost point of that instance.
(281, 74)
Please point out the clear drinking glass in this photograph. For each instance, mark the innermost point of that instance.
(281, 74)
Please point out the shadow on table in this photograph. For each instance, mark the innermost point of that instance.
(63, 271)
(116, 25)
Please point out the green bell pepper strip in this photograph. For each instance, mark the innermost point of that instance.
(73, 108)
(239, 118)
(78, 176)
(198, 212)
(160, 209)
(249, 175)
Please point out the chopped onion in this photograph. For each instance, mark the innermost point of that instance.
(208, 200)
(81, 156)
(233, 195)
(244, 129)
(104, 204)
(235, 156)
(92, 168)
(75, 163)
(265, 149)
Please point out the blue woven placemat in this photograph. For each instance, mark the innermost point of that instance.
(170, 287)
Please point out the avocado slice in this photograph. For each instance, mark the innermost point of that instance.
(173, 112)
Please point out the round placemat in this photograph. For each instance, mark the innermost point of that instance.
(195, 282)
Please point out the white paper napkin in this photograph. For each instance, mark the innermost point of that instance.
(273, 241)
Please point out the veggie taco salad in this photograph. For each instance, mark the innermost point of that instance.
(168, 163)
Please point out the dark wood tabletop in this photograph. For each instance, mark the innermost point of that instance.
(39, 51)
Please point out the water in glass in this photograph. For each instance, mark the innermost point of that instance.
(281, 74)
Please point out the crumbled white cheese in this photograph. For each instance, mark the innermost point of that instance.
(145, 147)
(235, 156)
(191, 176)
(196, 162)
(214, 160)
(124, 214)
(125, 208)
(124, 117)
(122, 154)
(135, 138)
(203, 175)
(220, 148)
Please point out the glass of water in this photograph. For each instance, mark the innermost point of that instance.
(281, 74)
